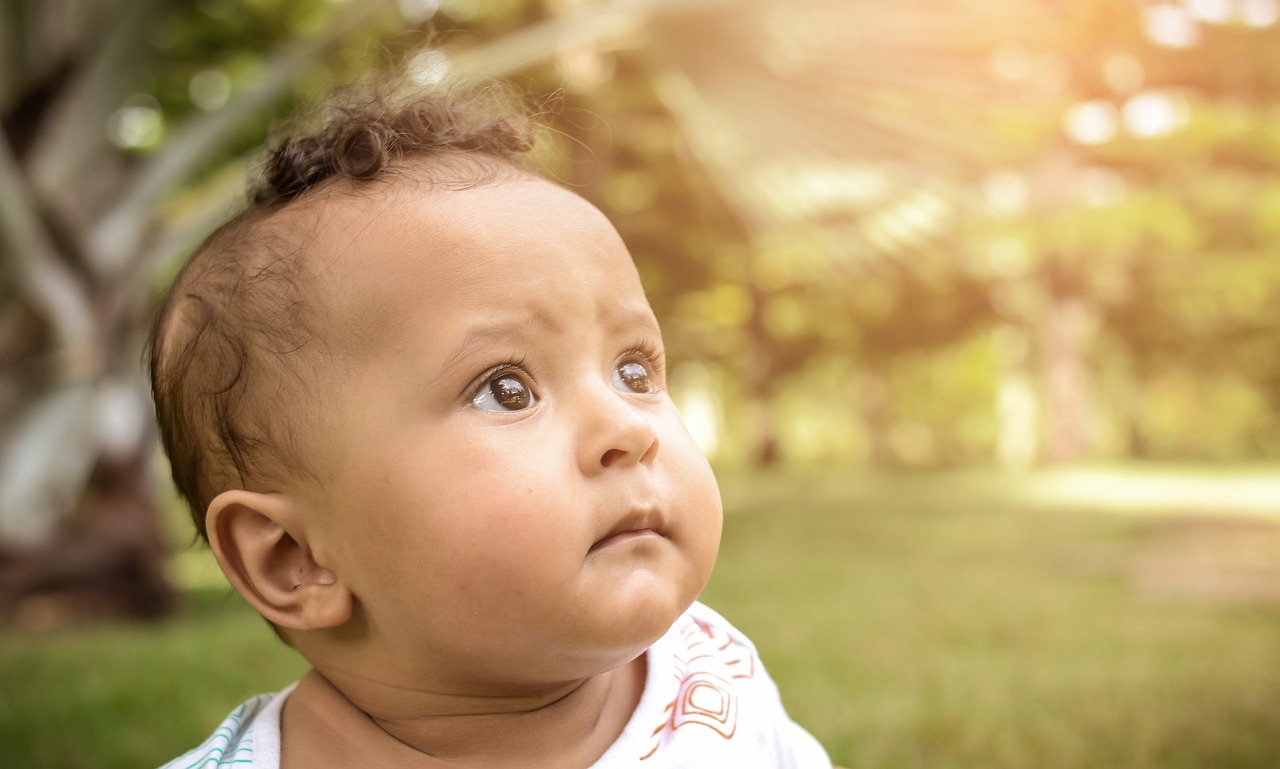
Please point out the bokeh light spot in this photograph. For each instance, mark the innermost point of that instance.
(1152, 114)
(1091, 122)
(209, 89)
(1171, 26)
(1212, 11)
(1259, 13)
(418, 11)
(429, 68)
(1006, 193)
(138, 124)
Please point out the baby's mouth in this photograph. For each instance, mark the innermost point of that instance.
(623, 537)
(640, 524)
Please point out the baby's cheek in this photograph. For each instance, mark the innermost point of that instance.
(700, 516)
(508, 527)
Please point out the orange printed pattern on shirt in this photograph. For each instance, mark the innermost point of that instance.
(706, 695)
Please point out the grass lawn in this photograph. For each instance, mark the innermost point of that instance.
(961, 620)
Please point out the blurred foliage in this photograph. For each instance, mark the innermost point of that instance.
(1054, 239)
(1167, 239)
(1126, 281)
(973, 232)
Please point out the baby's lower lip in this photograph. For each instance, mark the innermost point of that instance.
(624, 537)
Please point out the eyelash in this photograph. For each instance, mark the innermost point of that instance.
(652, 358)
(645, 350)
(519, 365)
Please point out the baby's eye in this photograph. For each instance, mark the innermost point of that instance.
(505, 392)
(632, 376)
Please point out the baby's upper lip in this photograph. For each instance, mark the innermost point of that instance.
(638, 518)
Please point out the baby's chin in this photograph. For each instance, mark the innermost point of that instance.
(642, 613)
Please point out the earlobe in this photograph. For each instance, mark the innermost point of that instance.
(260, 541)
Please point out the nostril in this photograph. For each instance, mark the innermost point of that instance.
(611, 456)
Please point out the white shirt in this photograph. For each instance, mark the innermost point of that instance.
(707, 703)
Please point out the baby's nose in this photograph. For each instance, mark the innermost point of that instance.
(619, 433)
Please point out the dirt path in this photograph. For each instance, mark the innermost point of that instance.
(1223, 558)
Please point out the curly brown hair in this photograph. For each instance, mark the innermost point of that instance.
(232, 336)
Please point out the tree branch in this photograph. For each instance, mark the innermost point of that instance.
(590, 25)
(115, 238)
(43, 279)
(214, 208)
(159, 261)
(75, 137)
(11, 63)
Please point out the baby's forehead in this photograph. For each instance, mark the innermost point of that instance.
(331, 220)
(354, 226)
(377, 252)
(367, 252)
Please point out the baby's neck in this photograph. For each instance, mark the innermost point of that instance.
(565, 729)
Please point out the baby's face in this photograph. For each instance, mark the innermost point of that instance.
(506, 486)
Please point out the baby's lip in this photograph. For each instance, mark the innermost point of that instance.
(639, 520)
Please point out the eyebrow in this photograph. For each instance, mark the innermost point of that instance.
(539, 321)
(486, 332)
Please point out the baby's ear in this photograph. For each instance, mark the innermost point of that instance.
(260, 542)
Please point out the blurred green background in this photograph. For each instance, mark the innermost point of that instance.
(974, 304)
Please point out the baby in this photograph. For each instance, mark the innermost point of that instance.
(416, 399)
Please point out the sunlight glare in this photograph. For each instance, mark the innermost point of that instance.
(1259, 13)
(1211, 11)
(418, 11)
(1018, 416)
(1152, 114)
(800, 189)
(429, 68)
(1006, 193)
(1127, 491)
(697, 406)
(925, 211)
(907, 221)
(1091, 122)
(1171, 26)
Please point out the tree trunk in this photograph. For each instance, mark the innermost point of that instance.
(80, 242)
(873, 403)
(106, 560)
(1066, 378)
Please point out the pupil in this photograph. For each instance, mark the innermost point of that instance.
(635, 377)
(510, 393)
